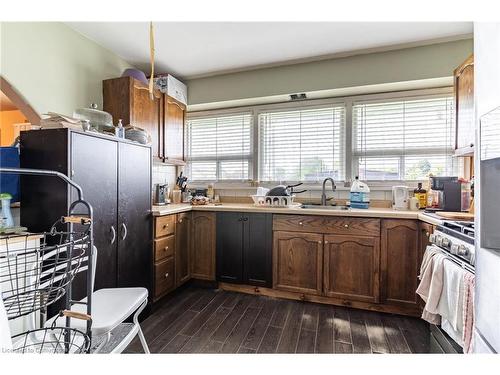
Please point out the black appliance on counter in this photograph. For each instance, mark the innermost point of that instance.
(115, 176)
(449, 190)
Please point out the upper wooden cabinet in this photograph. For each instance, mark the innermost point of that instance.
(399, 262)
(162, 116)
(464, 107)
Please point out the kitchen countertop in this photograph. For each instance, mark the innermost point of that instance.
(244, 207)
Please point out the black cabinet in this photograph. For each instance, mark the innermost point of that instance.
(244, 248)
(115, 176)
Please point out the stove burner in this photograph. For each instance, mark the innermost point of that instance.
(463, 227)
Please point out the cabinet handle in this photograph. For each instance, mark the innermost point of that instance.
(346, 225)
(124, 231)
(301, 223)
(113, 233)
(165, 249)
(165, 226)
(180, 220)
(245, 219)
(319, 242)
(472, 145)
(240, 219)
(326, 242)
(166, 275)
(427, 234)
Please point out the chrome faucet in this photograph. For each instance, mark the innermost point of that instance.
(323, 194)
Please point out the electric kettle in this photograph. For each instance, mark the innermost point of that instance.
(400, 197)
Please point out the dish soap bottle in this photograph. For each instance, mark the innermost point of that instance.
(120, 130)
(421, 195)
(360, 194)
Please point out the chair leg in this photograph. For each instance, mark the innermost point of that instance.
(139, 331)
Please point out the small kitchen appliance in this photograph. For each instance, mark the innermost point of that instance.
(400, 197)
(161, 194)
(448, 193)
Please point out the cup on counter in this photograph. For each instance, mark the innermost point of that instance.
(414, 204)
(176, 196)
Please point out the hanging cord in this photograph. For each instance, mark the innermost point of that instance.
(151, 59)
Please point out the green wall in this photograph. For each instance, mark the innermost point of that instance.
(409, 64)
(54, 67)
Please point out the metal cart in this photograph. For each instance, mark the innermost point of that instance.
(34, 277)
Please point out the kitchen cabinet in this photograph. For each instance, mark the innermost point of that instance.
(399, 261)
(182, 248)
(351, 267)
(202, 260)
(464, 107)
(162, 116)
(298, 262)
(165, 254)
(115, 176)
(244, 248)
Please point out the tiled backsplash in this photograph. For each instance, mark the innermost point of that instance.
(164, 174)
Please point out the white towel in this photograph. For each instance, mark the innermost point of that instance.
(431, 287)
(5, 340)
(451, 302)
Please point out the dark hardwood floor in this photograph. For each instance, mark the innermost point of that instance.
(195, 320)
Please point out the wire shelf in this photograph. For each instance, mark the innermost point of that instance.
(54, 340)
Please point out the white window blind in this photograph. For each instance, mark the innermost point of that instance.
(404, 139)
(219, 148)
(302, 145)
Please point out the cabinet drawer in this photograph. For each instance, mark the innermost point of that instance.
(164, 225)
(164, 247)
(164, 277)
(327, 225)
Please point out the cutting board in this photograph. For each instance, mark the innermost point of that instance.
(456, 215)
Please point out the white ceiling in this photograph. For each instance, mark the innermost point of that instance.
(191, 49)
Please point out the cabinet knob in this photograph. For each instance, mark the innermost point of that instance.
(472, 145)
(301, 223)
(166, 275)
(427, 234)
(326, 242)
(165, 226)
(166, 248)
(319, 242)
(180, 220)
(346, 225)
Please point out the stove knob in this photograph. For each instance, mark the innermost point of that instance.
(454, 248)
(432, 238)
(463, 251)
(439, 240)
(445, 242)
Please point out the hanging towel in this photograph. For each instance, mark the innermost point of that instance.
(5, 340)
(451, 302)
(430, 251)
(468, 311)
(430, 288)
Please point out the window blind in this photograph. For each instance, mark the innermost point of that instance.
(302, 145)
(219, 148)
(404, 139)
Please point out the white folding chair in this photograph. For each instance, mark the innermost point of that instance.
(110, 308)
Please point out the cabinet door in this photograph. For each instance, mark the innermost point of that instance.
(145, 113)
(464, 102)
(229, 247)
(134, 216)
(399, 261)
(182, 247)
(203, 246)
(351, 268)
(257, 249)
(297, 262)
(94, 166)
(173, 139)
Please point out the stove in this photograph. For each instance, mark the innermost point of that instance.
(457, 239)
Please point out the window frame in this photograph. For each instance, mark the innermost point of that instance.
(347, 101)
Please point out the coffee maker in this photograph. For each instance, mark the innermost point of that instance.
(448, 194)
(161, 193)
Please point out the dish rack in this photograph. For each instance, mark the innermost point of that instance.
(273, 201)
(35, 275)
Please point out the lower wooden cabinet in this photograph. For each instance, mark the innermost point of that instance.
(164, 277)
(399, 262)
(351, 268)
(298, 262)
(202, 260)
(182, 248)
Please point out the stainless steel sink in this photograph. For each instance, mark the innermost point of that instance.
(320, 207)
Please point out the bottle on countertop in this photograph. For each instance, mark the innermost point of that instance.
(421, 194)
(120, 130)
(360, 194)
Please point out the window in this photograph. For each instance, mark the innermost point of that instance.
(219, 148)
(302, 145)
(403, 139)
